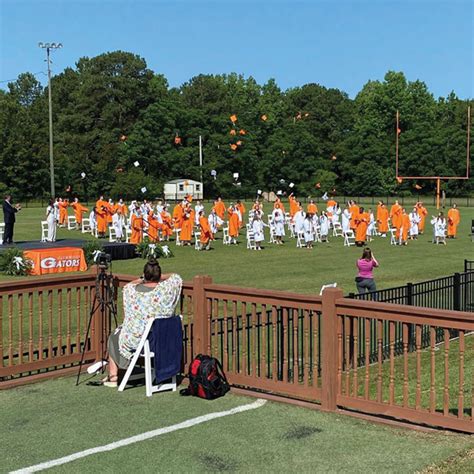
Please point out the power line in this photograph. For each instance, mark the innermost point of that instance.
(33, 74)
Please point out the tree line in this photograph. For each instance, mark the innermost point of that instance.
(112, 111)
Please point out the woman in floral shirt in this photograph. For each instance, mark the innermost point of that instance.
(153, 296)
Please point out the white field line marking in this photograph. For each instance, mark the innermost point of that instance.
(141, 437)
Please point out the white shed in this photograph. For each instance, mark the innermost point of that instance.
(178, 189)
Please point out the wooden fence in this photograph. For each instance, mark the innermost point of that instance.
(312, 348)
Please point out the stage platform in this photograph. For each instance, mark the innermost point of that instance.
(118, 250)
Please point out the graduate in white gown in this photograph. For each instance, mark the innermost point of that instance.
(336, 214)
(257, 228)
(117, 225)
(371, 226)
(324, 227)
(414, 221)
(93, 221)
(440, 229)
(298, 219)
(197, 209)
(52, 214)
(346, 220)
(278, 225)
(308, 231)
(214, 221)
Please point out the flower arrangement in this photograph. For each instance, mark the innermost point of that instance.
(147, 250)
(14, 263)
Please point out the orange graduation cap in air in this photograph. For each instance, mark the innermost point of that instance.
(233, 146)
(333, 157)
(264, 117)
(417, 186)
(232, 132)
(242, 131)
(399, 130)
(123, 138)
(318, 185)
(399, 180)
(239, 143)
(233, 118)
(177, 140)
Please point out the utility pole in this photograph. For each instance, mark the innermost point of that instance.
(200, 156)
(49, 47)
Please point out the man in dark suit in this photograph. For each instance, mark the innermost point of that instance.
(9, 211)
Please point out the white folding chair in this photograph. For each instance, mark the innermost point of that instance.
(329, 285)
(143, 350)
(393, 237)
(86, 226)
(349, 238)
(178, 233)
(251, 245)
(272, 234)
(112, 234)
(337, 230)
(197, 243)
(2, 232)
(44, 231)
(300, 242)
(291, 228)
(71, 222)
(225, 236)
(128, 233)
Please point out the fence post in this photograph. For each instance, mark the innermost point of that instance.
(457, 292)
(329, 349)
(200, 318)
(410, 294)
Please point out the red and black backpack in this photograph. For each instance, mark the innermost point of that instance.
(206, 378)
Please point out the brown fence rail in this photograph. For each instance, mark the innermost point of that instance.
(335, 351)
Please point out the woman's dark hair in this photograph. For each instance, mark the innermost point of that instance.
(367, 254)
(152, 270)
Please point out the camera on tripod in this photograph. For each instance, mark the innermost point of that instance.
(104, 260)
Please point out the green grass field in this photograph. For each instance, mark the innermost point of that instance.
(53, 419)
(288, 268)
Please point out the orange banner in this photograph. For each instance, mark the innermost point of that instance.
(58, 260)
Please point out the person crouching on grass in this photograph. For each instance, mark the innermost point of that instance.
(150, 297)
(365, 278)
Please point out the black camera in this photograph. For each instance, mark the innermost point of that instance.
(104, 260)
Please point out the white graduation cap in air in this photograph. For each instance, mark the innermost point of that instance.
(282, 181)
(213, 173)
(143, 190)
(325, 197)
(136, 164)
(279, 193)
(83, 175)
(236, 175)
(259, 191)
(291, 185)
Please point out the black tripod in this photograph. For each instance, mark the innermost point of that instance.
(104, 304)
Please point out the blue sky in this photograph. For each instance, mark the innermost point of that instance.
(334, 43)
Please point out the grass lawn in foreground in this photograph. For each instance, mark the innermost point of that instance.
(53, 419)
(288, 268)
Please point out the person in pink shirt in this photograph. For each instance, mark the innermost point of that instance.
(365, 278)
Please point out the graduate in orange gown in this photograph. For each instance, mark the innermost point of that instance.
(422, 212)
(219, 206)
(293, 205)
(311, 208)
(279, 205)
(187, 226)
(178, 214)
(63, 205)
(405, 227)
(382, 219)
(362, 221)
(153, 227)
(454, 219)
(110, 211)
(242, 209)
(167, 225)
(396, 218)
(79, 209)
(137, 226)
(101, 207)
(354, 210)
(233, 224)
(206, 234)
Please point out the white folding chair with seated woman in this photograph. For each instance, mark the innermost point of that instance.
(154, 296)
